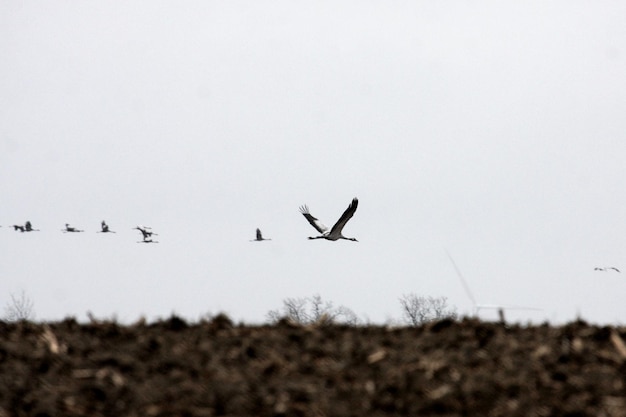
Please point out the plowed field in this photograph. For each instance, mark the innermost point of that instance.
(215, 368)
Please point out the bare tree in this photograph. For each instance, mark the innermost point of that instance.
(417, 309)
(19, 309)
(348, 316)
(295, 309)
(311, 310)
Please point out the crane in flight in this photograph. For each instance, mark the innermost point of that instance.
(105, 228)
(147, 233)
(28, 227)
(259, 236)
(606, 268)
(70, 229)
(335, 232)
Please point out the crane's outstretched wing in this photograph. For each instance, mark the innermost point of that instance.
(319, 226)
(259, 236)
(347, 215)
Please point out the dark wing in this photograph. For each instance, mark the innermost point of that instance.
(319, 226)
(615, 269)
(347, 215)
(259, 236)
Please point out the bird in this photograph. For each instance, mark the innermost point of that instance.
(259, 236)
(29, 227)
(604, 269)
(105, 228)
(335, 232)
(147, 234)
(70, 229)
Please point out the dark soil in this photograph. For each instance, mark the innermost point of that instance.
(215, 368)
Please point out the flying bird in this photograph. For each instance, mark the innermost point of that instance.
(28, 227)
(147, 233)
(259, 236)
(70, 229)
(335, 232)
(604, 269)
(105, 228)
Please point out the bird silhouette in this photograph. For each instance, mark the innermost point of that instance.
(105, 228)
(335, 232)
(70, 229)
(147, 233)
(606, 268)
(259, 236)
(28, 227)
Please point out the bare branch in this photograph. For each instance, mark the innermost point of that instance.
(313, 310)
(418, 309)
(19, 309)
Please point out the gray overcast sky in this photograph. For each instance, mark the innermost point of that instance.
(494, 130)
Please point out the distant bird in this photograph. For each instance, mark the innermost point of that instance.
(28, 227)
(259, 236)
(606, 268)
(105, 228)
(335, 232)
(147, 233)
(70, 229)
